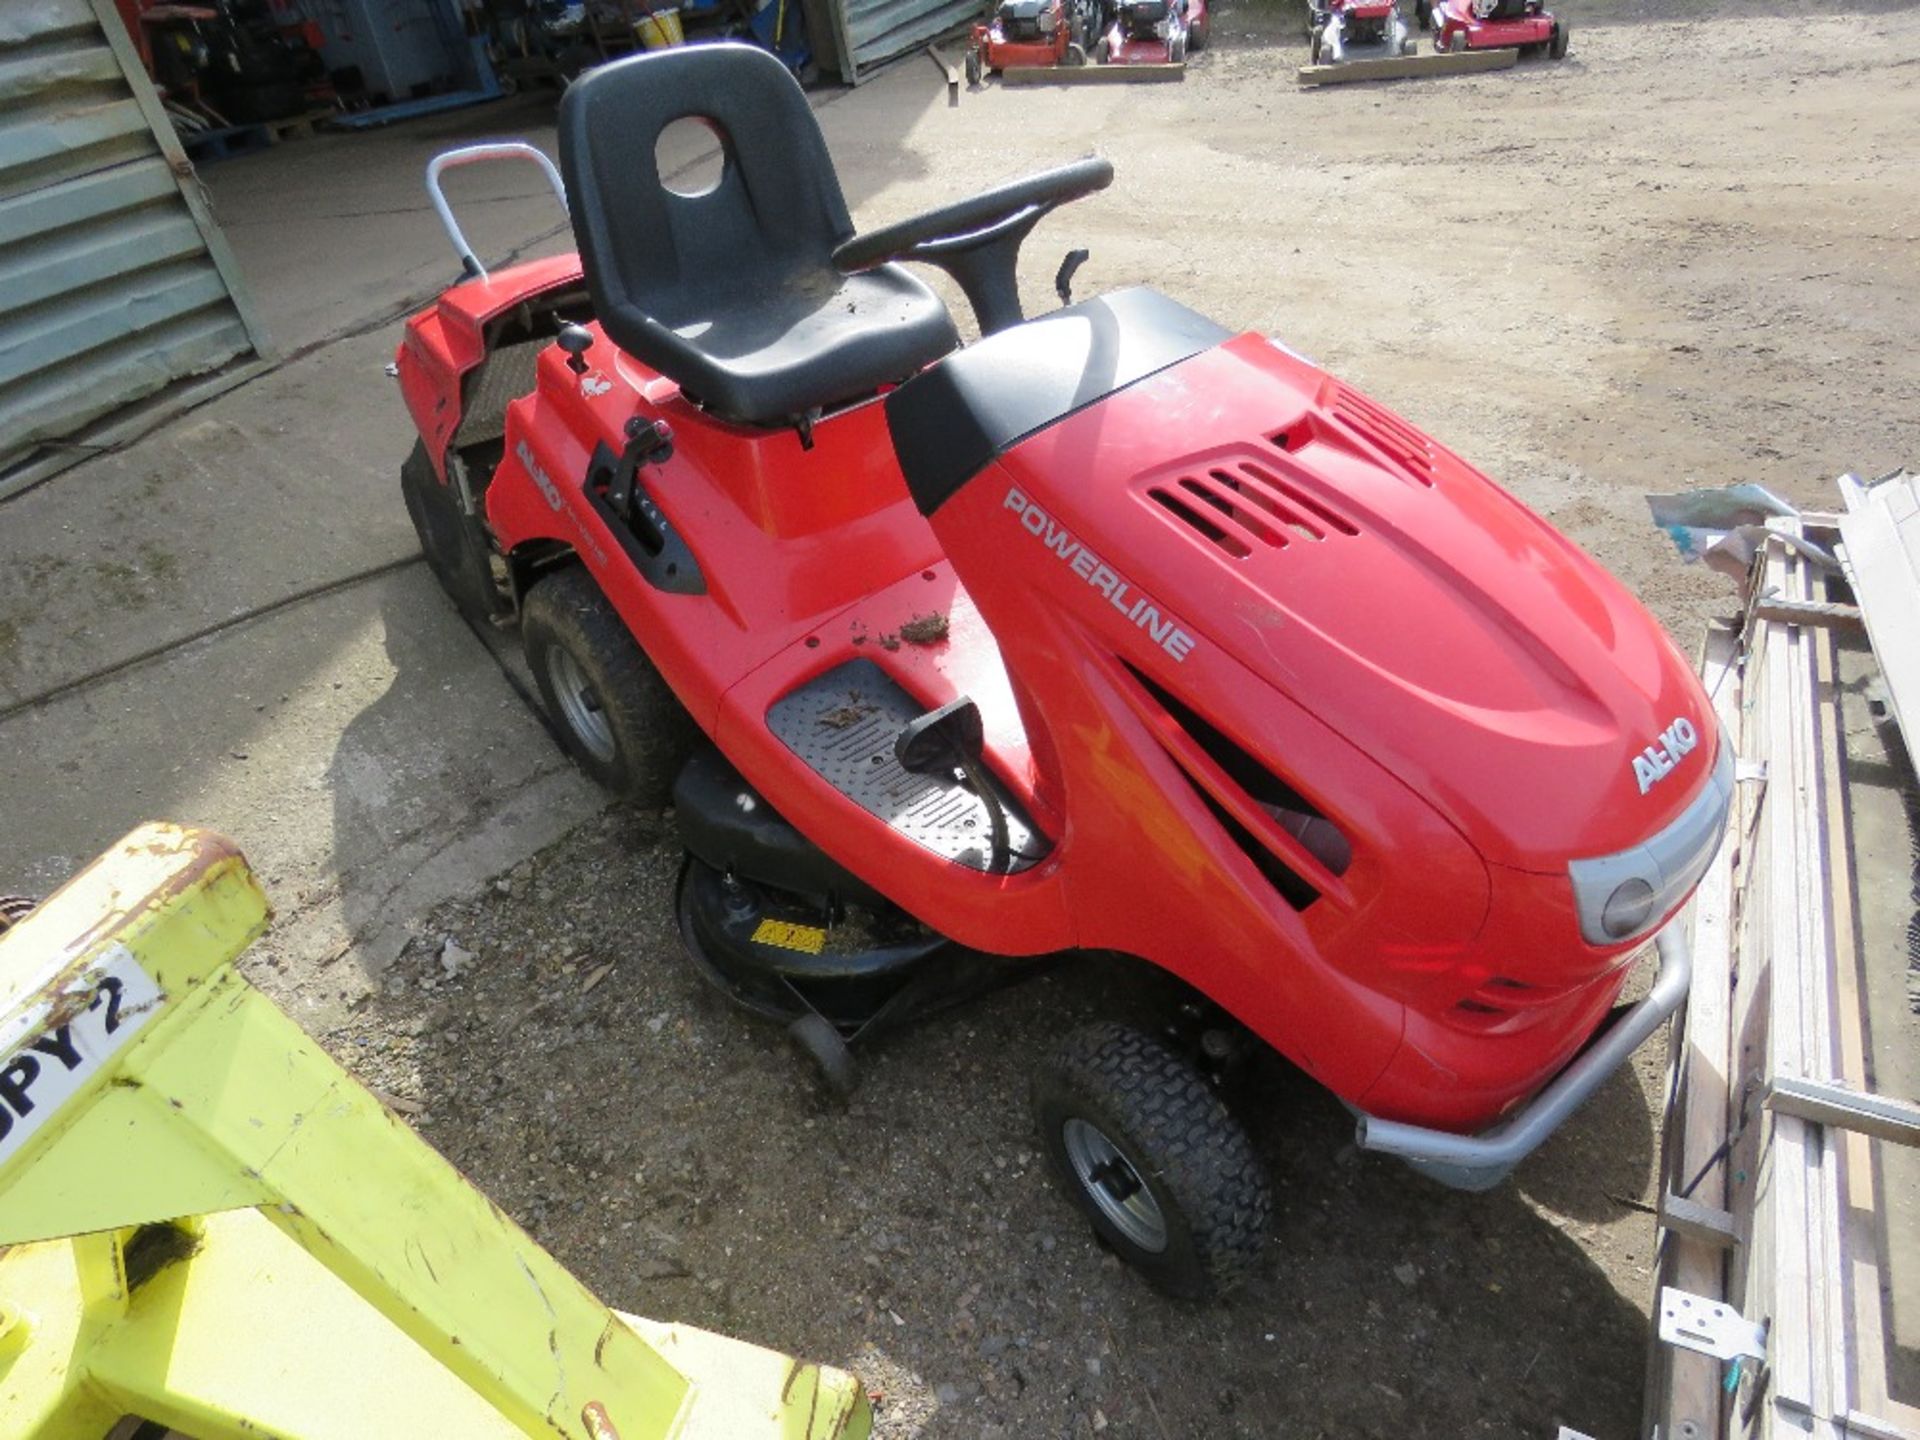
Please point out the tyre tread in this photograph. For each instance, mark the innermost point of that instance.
(1169, 1112)
(653, 732)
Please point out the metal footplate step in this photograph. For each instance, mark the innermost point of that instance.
(844, 723)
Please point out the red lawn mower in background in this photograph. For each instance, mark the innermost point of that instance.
(1025, 33)
(1114, 632)
(1525, 25)
(1152, 32)
(1342, 30)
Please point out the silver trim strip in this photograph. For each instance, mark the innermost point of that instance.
(1479, 1162)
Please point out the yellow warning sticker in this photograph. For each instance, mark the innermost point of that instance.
(808, 939)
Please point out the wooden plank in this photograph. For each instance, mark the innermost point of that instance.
(1686, 1397)
(1089, 74)
(950, 70)
(1801, 1206)
(1405, 67)
(1874, 1412)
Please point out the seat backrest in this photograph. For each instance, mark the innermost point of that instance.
(657, 260)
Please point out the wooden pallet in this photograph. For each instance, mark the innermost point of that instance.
(1408, 67)
(296, 127)
(209, 146)
(1091, 74)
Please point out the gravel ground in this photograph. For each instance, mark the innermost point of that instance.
(1681, 257)
(683, 1158)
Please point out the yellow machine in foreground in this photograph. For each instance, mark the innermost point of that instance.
(212, 1226)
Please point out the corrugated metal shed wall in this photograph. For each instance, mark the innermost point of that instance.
(114, 281)
(875, 30)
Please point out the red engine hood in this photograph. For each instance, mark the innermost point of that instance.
(1391, 589)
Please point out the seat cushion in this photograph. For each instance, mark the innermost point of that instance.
(767, 353)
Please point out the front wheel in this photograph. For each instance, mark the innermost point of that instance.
(975, 71)
(614, 714)
(1145, 1148)
(1557, 42)
(1197, 35)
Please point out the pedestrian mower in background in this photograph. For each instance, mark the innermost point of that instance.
(1152, 32)
(1523, 25)
(1343, 30)
(1113, 633)
(1030, 33)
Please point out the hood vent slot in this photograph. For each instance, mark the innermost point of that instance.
(1240, 507)
(1198, 518)
(1380, 427)
(1292, 887)
(1289, 810)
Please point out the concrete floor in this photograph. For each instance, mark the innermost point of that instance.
(226, 623)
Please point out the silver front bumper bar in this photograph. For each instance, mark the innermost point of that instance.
(1479, 1162)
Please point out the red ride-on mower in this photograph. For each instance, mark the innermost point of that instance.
(1114, 632)
(1342, 30)
(1152, 32)
(1030, 33)
(1525, 25)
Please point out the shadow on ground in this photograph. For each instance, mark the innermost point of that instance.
(681, 1158)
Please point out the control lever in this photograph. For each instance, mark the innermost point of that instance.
(954, 738)
(649, 442)
(1063, 277)
(576, 340)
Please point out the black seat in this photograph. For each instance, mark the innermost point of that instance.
(733, 293)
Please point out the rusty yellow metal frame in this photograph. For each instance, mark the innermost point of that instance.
(215, 1227)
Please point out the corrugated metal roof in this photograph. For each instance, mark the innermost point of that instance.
(882, 29)
(114, 282)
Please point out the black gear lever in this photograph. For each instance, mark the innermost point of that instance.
(954, 738)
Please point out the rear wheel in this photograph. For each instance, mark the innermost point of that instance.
(1197, 35)
(1557, 42)
(452, 542)
(1148, 1152)
(975, 74)
(616, 717)
(1458, 42)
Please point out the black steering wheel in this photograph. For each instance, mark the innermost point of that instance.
(977, 240)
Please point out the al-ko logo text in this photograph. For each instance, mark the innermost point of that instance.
(542, 480)
(1656, 762)
(1120, 593)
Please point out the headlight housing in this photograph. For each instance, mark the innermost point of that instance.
(1619, 897)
